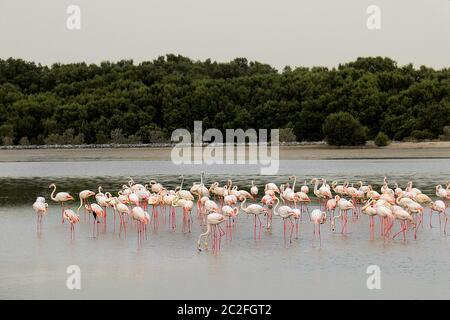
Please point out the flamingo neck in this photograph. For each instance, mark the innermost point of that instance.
(53, 192)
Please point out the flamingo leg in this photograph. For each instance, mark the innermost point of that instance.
(292, 230)
(254, 229)
(320, 238)
(445, 224)
(431, 216)
(260, 227)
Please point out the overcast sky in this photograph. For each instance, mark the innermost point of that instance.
(278, 32)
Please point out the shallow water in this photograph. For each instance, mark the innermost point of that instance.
(169, 267)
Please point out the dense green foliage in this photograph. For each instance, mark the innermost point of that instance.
(381, 140)
(342, 129)
(124, 102)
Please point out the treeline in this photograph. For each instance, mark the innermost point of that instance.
(124, 102)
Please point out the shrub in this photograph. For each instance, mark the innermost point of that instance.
(101, 138)
(287, 135)
(152, 134)
(78, 139)
(134, 139)
(342, 129)
(67, 136)
(54, 138)
(421, 134)
(24, 141)
(117, 136)
(7, 141)
(382, 139)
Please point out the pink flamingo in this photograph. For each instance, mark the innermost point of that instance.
(331, 208)
(213, 221)
(142, 218)
(124, 212)
(97, 212)
(84, 199)
(60, 197)
(318, 217)
(187, 206)
(40, 207)
(323, 193)
(286, 213)
(370, 210)
(256, 210)
(344, 205)
(404, 217)
(230, 213)
(254, 191)
(73, 219)
(153, 200)
(439, 207)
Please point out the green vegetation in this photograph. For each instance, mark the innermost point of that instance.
(342, 129)
(381, 140)
(127, 103)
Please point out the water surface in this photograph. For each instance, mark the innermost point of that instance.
(169, 267)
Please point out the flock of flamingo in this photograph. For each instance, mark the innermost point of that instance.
(220, 205)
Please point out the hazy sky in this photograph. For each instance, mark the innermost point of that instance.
(278, 32)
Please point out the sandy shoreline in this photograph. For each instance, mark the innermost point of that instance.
(308, 152)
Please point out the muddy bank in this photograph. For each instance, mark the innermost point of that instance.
(291, 152)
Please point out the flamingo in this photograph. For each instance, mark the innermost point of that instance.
(439, 207)
(184, 194)
(404, 217)
(40, 207)
(256, 210)
(97, 212)
(187, 206)
(73, 219)
(213, 221)
(230, 213)
(200, 190)
(155, 187)
(318, 217)
(124, 212)
(60, 197)
(102, 201)
(339, 189)
(362, 187)
(153, 200)
(370, 210)
(385, 213)
(441, 192)
(331, 208)
(344, 205)
(385, 188)
(304, 200)
(142, 218)
(84, 196)
(220, 192)
(322, 193)
(414, 208)
(286, 213)
(271, 186)
(254, 191)
(304, 188)
(372, 193)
